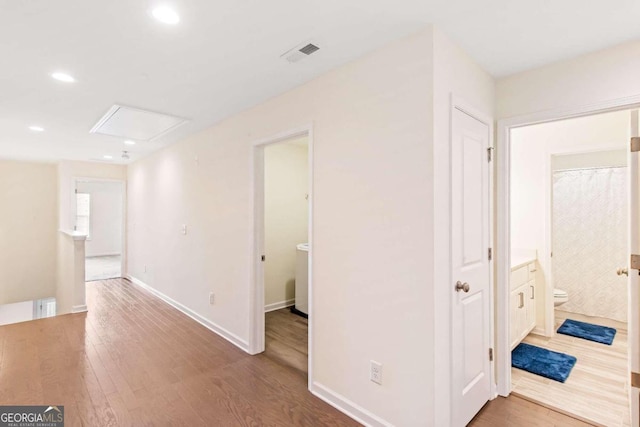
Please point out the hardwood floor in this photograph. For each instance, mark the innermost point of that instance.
(597, 388)
(286, 339)
(134, 360)
(517, 412)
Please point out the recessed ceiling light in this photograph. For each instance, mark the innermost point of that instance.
(166, 15)
(108, 157)
(130, 142)
(36, 129)
(63, 77)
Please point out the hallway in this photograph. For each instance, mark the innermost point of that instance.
(134, 360)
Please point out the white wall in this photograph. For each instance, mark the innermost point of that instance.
(455, 73)
(373, 210)
(531, 151)
(28, 231)
(591, 159)
(70, 277)
(286, 170)
(381, 176)
(600, 76)
(16, 312)
(106, 217)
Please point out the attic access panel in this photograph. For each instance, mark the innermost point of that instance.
(133, 123)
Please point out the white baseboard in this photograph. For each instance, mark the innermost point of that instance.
(347, 407)
(79, 308)
(229, 336)
(278, 305)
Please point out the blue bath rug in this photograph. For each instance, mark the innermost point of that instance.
(588, 331)
(543, 362)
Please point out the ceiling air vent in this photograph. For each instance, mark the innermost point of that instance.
(133, 123)
(300, 52)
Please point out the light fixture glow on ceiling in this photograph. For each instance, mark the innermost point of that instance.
(130, 142)
(36, 128)
(108, 157)
(166, 15)
(63, 77)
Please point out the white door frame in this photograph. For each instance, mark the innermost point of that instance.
(256, 324)
(123, 234)
(504, 216)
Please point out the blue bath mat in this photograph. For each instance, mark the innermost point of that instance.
(543, 362)
(588, 331)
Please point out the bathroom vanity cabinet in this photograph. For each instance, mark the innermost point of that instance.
(522, 304)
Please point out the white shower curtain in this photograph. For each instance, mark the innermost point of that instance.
(590, 240)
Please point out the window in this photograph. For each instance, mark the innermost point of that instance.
(83, 213)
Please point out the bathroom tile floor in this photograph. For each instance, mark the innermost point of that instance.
(597, 389)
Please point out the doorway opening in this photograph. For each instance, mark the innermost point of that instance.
(282, 191)
(99, 213)
(568, 300)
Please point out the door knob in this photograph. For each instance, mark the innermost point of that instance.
(622, 271)
(462, 286)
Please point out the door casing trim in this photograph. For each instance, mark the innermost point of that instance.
(256, 291)
(503, 243)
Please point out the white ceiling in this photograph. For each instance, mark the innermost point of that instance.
(223, 56)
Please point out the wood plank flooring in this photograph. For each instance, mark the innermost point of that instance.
(515, 411)
(597, 389)
(134, 360)
(286, 339)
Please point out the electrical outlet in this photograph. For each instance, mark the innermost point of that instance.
(212, 298)
(184, 229)
(145, 268)
(375, 374)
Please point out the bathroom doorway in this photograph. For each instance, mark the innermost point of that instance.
(569, 304)
(283, 246)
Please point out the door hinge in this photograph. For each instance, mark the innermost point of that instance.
(489, 154)
(490, 254)
(490, 355)
(263, 257)
(635, 144)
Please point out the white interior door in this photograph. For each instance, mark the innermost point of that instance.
(634, 278)
(471, 327)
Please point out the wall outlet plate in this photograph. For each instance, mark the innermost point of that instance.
(375, 373)
(212, 298)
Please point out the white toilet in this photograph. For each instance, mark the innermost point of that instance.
(559, 297)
